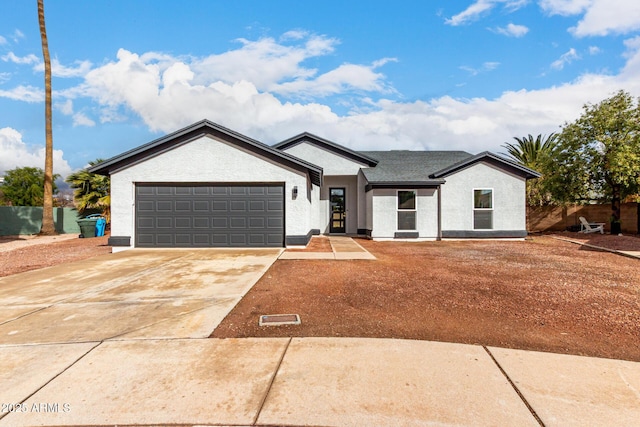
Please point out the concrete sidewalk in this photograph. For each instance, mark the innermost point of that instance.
(342, 248)
(311, 381)
(121, 339)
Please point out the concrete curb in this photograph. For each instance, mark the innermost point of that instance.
(628, 254)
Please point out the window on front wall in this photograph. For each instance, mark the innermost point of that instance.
(482, 209)
(406, 210)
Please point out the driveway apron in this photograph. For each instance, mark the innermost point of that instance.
(132, 294)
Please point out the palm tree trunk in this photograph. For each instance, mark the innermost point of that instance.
(48, 226)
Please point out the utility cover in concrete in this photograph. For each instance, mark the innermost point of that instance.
(279, 319)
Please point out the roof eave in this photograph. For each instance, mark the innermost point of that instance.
(404, 184)
(325, 143)
(521, 170)
(190, 133)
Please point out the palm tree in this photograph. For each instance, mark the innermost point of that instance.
(530, 152)
(48, 227)
(91, 191)
(534, 154)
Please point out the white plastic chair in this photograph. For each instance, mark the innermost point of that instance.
(587, 227)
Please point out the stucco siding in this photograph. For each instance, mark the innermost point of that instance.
(214, 161)
(331, 163)
(509, 208)
(385, 213)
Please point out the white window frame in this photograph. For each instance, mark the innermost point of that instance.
(415, 209)
(474, 209)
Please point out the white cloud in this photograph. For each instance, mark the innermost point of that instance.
(12, 57)
(16, 153)
(167, 98)
(565, 7)
(17, 35)
(480, 7)
(24, 93)
(58, 70)
(346, 77)
(264, 62)
(3, 41)
(167, 93)
(65, 108)
(512, 30)
(487, 66)
(600, 17)
(80, 119)
(594, 50)
(565, 58)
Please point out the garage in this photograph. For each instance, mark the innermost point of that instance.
(209, 215)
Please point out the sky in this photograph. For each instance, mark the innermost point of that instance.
(369, 75)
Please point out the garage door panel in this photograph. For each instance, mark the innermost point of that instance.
(238, 222)
(275, 206)
(183, 206)
(164, 206)
(183, 222)
(201, 223)
(199, 191)
(169, 215)
(165, 191)
(219, 206)
(238, 206)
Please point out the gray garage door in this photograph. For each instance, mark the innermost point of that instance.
(209, 215)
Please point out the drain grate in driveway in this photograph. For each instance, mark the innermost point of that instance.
(279, 319)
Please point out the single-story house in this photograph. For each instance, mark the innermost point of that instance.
(208, 186)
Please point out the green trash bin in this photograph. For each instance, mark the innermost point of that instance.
(87, 227)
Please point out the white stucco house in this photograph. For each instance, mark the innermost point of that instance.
(208, 186)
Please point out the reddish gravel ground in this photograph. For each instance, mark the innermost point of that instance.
(541, 294)
(34, 255)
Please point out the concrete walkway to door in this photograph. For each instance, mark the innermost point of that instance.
(343, 248)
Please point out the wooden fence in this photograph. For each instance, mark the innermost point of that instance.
(556, 218)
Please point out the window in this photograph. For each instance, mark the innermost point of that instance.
(407, 210)
(482, 209)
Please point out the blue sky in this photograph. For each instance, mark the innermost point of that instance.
(467, 75)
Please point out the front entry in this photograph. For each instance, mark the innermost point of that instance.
(337, 210)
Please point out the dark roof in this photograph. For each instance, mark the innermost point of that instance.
(338, 149)
(410, 166)
(490, 158)
(195, 131)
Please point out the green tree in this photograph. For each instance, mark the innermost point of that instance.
(536, 154)
(48, 226)
(25, 186)
(91, 191)
(599, 154)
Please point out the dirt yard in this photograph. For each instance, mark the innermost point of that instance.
(541, 294)
(18, 254)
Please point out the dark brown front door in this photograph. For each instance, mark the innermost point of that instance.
(337, 210)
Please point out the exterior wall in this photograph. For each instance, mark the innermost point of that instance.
(351, 193)
(509, 205)
(209, 160)
(364, 207)
(332, 164)
(384, 222)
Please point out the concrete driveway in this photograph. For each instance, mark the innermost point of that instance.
(131, 294)
(118, 340)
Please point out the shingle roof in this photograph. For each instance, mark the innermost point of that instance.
(410, 166)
